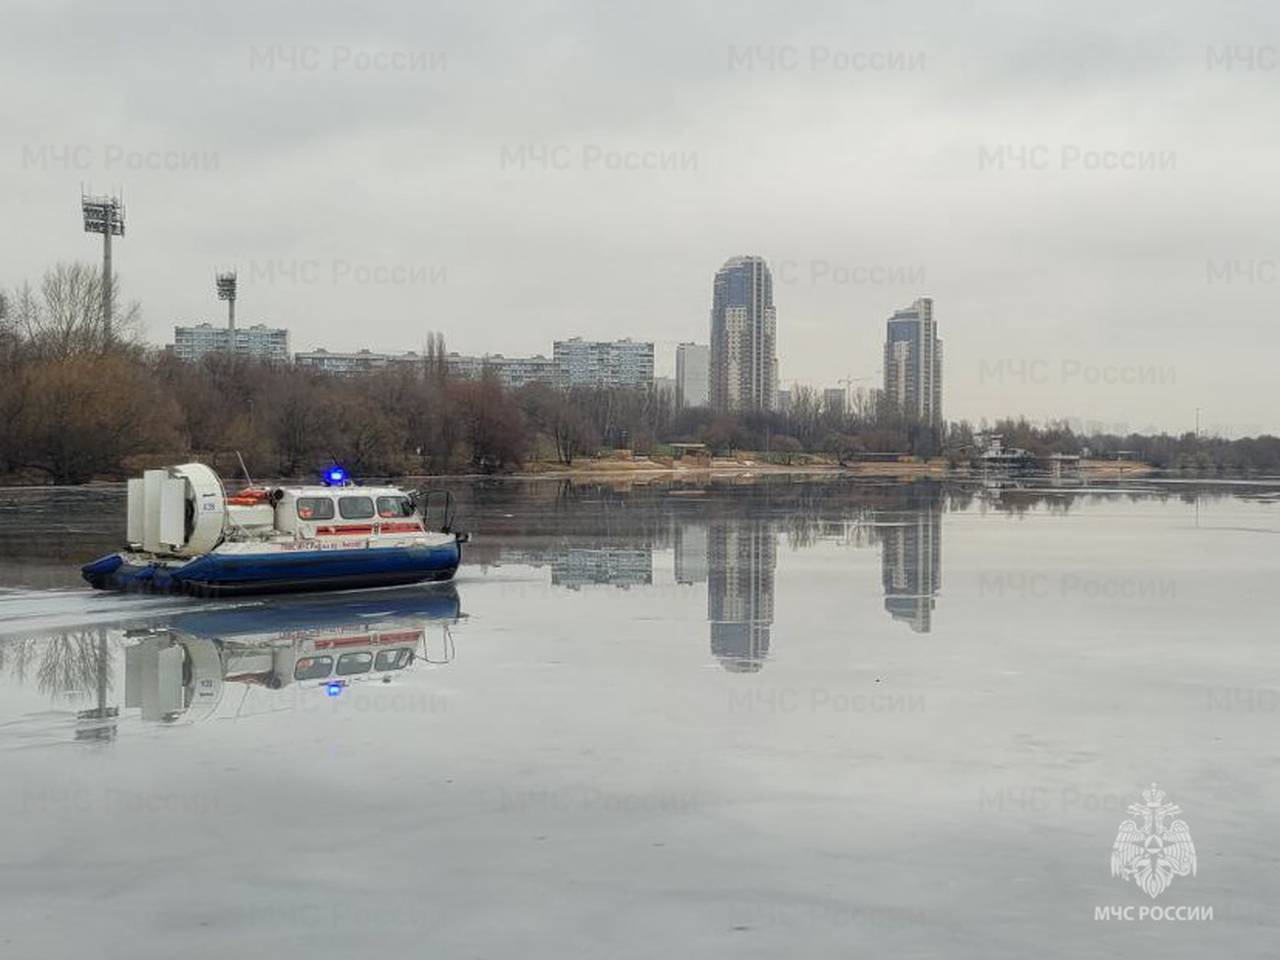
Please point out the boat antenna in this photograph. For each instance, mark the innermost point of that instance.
(244, 468)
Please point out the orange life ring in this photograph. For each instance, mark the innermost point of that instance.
(249, 498)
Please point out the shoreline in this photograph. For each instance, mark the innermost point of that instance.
(909, 470)
(719, 468)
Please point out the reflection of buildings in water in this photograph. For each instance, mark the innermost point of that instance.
(735, 558)
(690, 541)
(911, 564)
(578, 566)
(742, 556)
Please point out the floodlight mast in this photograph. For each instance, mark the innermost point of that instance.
(226, 286)
(104, 215)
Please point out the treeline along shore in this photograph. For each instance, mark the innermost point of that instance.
(82, 400)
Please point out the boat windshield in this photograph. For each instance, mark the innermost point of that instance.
(395, 507)
(396, 659)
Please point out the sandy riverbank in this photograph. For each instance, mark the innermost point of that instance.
(643, 468)
(939, 469)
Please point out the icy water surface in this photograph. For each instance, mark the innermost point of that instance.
(740, 720)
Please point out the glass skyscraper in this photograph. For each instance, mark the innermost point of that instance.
(744, 360)
(913, 364)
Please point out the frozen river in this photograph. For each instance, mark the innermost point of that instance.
(791, 718)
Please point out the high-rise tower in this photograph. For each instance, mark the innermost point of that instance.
(744, 361)
(913, 364)
(693, 371)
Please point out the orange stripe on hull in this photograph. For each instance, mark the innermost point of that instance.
(367, 530)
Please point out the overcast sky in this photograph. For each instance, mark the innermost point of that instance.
(1088, 191)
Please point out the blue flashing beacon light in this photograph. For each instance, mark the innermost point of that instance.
(333, 689)
(335, 477)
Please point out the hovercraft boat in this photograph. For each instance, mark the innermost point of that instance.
(187, 535)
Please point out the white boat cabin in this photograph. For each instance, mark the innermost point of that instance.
(185, 511)
(315, 512)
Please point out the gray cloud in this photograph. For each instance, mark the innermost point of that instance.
(572, 168)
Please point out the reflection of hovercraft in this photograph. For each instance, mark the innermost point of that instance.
(181, 671)
(321, 611)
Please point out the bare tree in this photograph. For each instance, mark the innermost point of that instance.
(66, 318)
(296, 427)
(557, 414)
(24, 311)
(81, 416)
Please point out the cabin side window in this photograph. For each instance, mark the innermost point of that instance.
(315, 508)
(350, 663)
(389, 507)
(355, 508)
(312, 668)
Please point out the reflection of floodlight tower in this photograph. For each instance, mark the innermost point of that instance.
(104, 215)
(100, 722)
(226, 284)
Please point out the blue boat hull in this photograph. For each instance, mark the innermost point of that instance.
(304, 614)
(233, 575)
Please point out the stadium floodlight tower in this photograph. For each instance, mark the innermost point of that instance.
(104, 215)
(226, 284)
